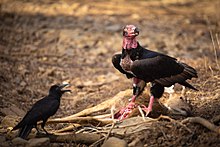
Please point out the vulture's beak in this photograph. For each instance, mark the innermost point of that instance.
(130, 31)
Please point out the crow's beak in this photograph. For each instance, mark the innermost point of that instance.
(64, 85)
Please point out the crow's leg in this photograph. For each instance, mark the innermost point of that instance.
(42, 126)
(36, 128)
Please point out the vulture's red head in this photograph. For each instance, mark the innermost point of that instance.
(129, 40)
(130, 31)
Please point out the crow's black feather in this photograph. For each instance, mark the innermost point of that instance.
(41, 110)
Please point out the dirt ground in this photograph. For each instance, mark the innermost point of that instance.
(47, 42)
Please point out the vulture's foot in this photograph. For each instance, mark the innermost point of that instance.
(147, 110)
(124, 112)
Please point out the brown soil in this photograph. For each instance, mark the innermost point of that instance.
(47, 42)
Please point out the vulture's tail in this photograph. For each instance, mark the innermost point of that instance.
(188, 85)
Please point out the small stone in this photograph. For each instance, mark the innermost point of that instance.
(115, 142)
(19, 141)
(37, 142)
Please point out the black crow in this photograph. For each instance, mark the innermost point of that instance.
(41, 110)
(146, 66)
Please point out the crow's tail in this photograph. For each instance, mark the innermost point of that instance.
(24, 131)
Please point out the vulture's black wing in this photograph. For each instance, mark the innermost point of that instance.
(163, 69)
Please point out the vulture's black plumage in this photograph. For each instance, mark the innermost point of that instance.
(145, 65)
(41, 110)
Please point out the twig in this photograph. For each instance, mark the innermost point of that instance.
(217, 39)
(85, 129)
(102, 116)
(211, 70)
(142, 113)
(164, 135)
(68, 128)
(213, 43)
(109, 132)
(112, 112)
(172, 120)
(205, 64)
(203, 122)
(135, 142)
(97, 142)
